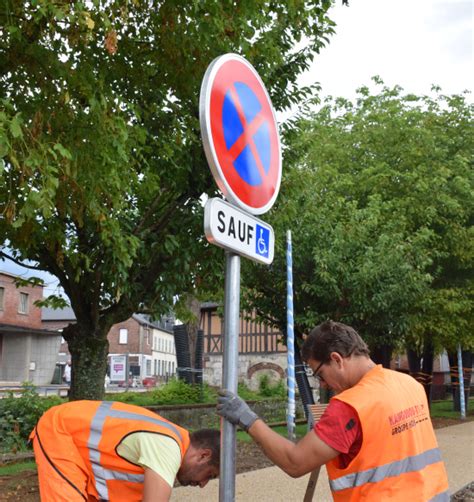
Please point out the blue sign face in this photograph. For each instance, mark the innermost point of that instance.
(242, 123)
(262, 242)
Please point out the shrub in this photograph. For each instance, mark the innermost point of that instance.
(180, 392)
(19, 415)
(267, 390)
(174, 392)
(247, 394)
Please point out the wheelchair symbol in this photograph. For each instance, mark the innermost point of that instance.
(263, 236)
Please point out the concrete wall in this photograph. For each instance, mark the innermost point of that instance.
(15, 358)
(29, 358)
(199, 416)
(250, 368)
(43, 356)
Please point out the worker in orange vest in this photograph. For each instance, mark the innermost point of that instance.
(375, 437)
(104, 450)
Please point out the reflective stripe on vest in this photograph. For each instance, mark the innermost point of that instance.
(441, 497)
(102, 475)
(408, 464)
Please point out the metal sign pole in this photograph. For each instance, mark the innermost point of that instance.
(229, 374)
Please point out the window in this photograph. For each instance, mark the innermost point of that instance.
(148, 367)
(2, 294)
(23, 308)
(123, 336)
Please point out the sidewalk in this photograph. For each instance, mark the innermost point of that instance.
(272, 485)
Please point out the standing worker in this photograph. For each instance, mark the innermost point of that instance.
(104, 450)
(375, 437)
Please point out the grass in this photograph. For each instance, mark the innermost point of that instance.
(301, 430)
(8, 470)
(444, 409)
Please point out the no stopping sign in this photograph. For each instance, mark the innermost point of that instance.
(240, 134)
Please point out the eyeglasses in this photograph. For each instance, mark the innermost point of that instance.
(316, 375)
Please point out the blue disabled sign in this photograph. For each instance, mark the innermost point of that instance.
(230, 228)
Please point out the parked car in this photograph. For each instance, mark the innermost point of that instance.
(149, 382)
(132, 382)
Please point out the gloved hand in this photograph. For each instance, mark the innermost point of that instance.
(235, 410)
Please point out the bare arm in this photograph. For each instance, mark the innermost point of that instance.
(295, 459)
(156, 489)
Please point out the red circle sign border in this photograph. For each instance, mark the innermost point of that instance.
(219, 77)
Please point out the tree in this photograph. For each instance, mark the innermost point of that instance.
(101, 160)
(379, 199)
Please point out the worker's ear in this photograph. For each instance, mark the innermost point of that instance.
(337, 358)
(205, 455)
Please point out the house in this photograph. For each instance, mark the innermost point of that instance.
(148, 345)
(261, 350)
(27, 350)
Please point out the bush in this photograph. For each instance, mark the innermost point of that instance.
(247, 394)
(19, 415)
(267, 390)
(174, 392)
(180, 392)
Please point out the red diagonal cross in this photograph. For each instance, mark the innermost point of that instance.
(246, 138)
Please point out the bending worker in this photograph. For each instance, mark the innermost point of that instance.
(104, 450)
(375, 437)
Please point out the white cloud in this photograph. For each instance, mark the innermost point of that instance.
(413, 43)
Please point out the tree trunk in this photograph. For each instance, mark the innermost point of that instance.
(421, 365)
(194, 307)
(89, 352)
(382, 355)
(467, 360)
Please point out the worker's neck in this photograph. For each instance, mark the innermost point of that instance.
(362, 365)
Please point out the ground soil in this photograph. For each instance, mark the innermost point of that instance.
(24, 486)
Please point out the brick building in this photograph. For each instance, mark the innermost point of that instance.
(27, 351)
(148, 344)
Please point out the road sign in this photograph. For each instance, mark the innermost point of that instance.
(240, 134)
(230, 228)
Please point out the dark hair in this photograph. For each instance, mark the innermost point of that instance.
(208, 439)
(330, 337)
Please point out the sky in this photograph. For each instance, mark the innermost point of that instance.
(412, 43)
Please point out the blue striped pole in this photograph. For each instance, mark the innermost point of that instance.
(291, 411)
(462, 402)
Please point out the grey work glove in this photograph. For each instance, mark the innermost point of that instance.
(235, 410)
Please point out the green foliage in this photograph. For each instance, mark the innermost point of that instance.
(444, 409)
(101, 161)
(266, 389)
(19, 415)
(11, 469)
(174, 392)
(246, 394)
(378, 196)
(300, 431)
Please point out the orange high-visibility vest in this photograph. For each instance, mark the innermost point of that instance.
(399, 459)
(97, 428)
